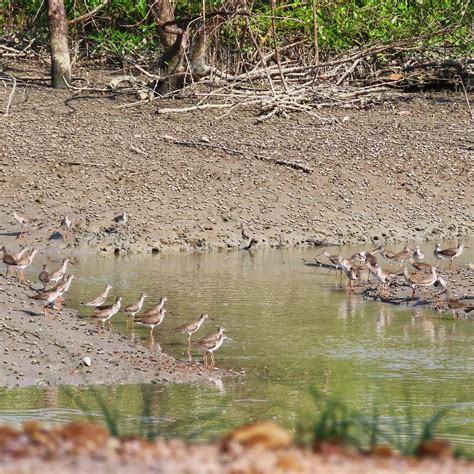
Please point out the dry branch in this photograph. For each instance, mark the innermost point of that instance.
(89, 14)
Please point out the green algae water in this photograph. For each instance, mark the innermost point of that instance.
(292, 328)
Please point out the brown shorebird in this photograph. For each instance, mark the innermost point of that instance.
(351, 272)
(23, 221)
(48, 298)
(420, 280)
(151, 319)
(8, 259)
(156, 309)
(66, 224)
(210, 344)
(192, 328)
(63, 285)
(121, 219)
(402, 256)
(43, 277)
(369, 259)
(456, 304)
(418, 255)
(448, 254)
(106, 314)
(99, 300)
(25, 262)
(59, 273)
(420, 266)
(386, 254)
(135, 308)
(383, 278)
(335, 260)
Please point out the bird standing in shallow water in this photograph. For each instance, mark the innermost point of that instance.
(418, 255)
(106, 314)
(456, 304)
(59, 273)
(420, 280)
(192, 328)
(133, 309)
(210, 344)
(448, 254)
(152, 319)
(99, 300)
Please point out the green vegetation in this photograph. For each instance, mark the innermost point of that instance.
(125, 27)
(330, 421)
(333, 422)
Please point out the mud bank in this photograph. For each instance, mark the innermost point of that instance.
(39, 351)
(202, 181)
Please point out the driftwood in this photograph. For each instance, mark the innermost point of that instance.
(317, 263)
(277, 161)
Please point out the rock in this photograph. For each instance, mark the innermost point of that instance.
(265, 434)
(87, 361)
(435, 448)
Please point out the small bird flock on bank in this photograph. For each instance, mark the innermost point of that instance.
(425, 276)
(57, 282)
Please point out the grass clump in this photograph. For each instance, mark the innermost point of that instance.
(332, 422)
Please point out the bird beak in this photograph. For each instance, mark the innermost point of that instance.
(228, 338)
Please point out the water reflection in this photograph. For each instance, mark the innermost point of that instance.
(291, 329)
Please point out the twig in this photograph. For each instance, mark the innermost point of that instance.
(348, 72)
(466, 97)
(192, 108)
(12, 93)
(315, 32)
(88, 15)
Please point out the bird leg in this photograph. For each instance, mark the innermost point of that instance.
(205, 359)
(59, 303)
(213, 362)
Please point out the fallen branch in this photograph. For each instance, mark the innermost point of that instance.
(88, 15)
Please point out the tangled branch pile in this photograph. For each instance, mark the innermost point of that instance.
(279, 56)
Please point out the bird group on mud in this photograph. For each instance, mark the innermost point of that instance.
(57, 282)
(424, 277)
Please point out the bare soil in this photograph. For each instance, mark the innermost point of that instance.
(193, 181)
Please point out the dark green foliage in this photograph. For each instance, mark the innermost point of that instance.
(125, 27)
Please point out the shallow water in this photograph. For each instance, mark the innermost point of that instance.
(292, 329)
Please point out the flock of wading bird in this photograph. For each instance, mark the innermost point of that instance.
(57, 283)
(425, 277)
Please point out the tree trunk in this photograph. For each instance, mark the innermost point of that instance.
(174, 41)
(60, 62)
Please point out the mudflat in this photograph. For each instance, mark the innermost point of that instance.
(208, 180)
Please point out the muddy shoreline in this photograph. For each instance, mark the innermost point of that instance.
(42, 352)
(396, 172)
